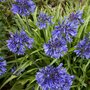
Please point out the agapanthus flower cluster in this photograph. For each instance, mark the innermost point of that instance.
(2, 66)
(23, 7)
(76, 18)
(54, 78)
(2, 0)
(68, 28)
(83, 48)
(43, 20)
(18, 43)
(56, 47)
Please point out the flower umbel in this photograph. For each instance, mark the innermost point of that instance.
(68, 28)
(76, 18)
(2, 66)
(56, 47)
(18, 43)
(2, 0)
(43, 20)
(54, 78)
(83, 48)
(23, 7)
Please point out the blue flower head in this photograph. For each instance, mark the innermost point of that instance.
(56, 47)
(2, 66)
(2, 0)
(54, 78)
(18, 43)
(43, 20)
(83, 48)
(23, 7)
(76, 17)
(68, 28)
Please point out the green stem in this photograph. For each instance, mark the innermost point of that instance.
(68, 61)
(16, 59)
(27, 23)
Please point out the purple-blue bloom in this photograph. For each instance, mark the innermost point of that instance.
(23, 7)
(2, 0)
(43, 20)
(56, 47)
(68, 28)
(2, 66)
(54, 78)
(83, 48)
(18, 43)
(76, 18)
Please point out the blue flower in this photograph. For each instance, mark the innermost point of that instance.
(18, 43)
(43, 20)
(54, 78)
(68, 28)
(26, 40)
(2, 0)
(56, 47)
(76, 18)
(83, 48)
(23, 7)
(2, 66)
